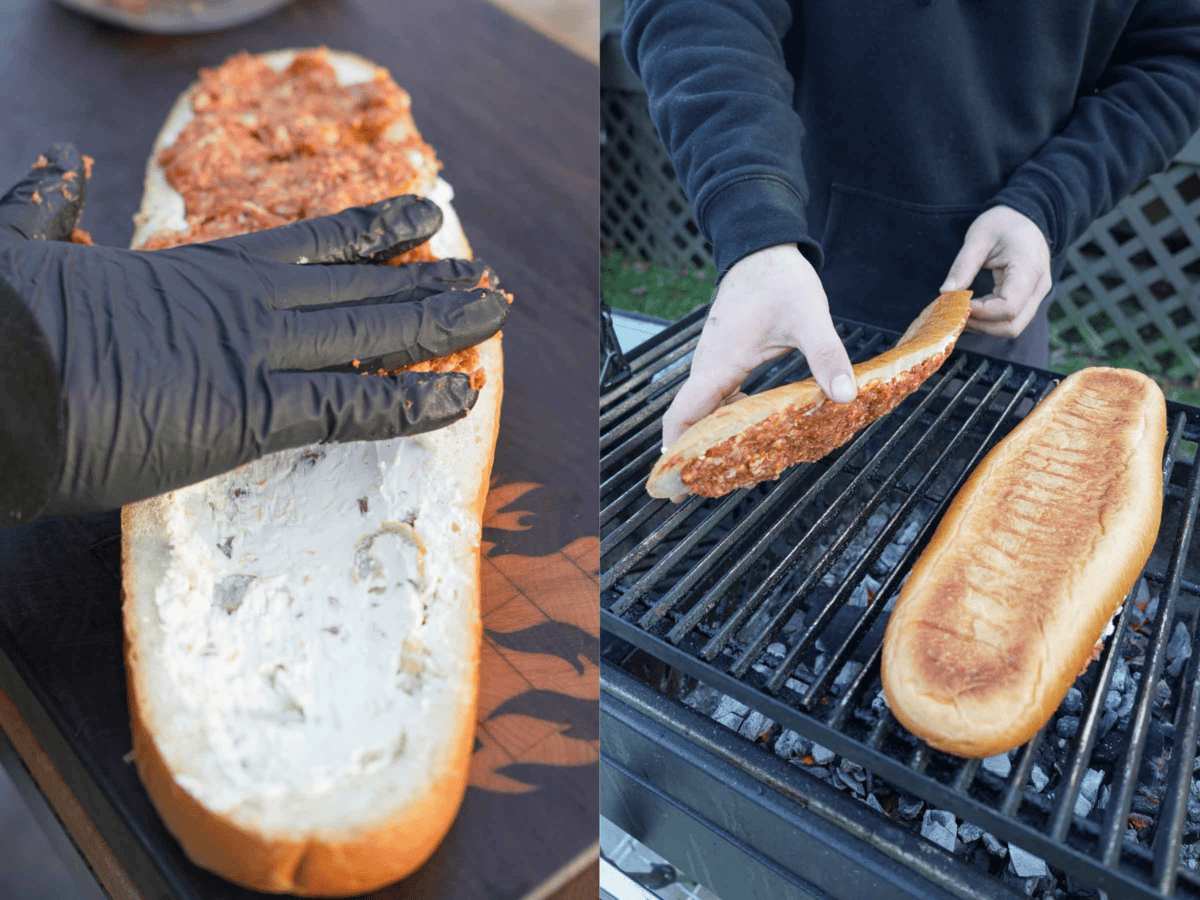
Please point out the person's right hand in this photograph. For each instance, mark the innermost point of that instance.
(180, 364)
(768, 304)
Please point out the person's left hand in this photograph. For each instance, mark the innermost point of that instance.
(1014, 248)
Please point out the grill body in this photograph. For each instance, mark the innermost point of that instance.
(772, 602)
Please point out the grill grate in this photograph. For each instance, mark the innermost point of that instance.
(777, 597)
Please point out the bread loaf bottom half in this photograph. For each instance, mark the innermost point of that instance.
(303, 633)
(756, 438)
(1029, 564)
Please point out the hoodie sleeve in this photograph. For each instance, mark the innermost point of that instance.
(721, 98)
(1143, 111)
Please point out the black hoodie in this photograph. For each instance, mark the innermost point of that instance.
(873, 132)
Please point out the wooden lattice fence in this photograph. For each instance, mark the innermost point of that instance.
(643, 211)
(1130, 289)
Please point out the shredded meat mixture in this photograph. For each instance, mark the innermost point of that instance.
(459, 361)
(268, 148)
(762, 452)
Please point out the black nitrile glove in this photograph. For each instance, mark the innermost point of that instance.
(125, 374)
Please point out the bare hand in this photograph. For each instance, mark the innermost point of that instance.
(1014, 248)
(768, 304)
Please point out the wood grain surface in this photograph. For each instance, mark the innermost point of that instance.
(513, 117)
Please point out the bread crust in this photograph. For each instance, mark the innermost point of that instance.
(1027, 567)
(756, 438)
(332, 863)
(317, 866)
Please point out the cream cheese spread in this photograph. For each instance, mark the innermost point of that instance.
(300, 604)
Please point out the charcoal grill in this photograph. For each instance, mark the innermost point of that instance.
(771, 602)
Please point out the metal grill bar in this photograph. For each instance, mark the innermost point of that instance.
(823, 564)
(683, 584)
(675, 723)
(919, 761)
(760, 514)
(1125, 880)
(713, 596)
(651, 413)
(1089, 728)
(966, 775)
(612, 360)
(1167, 840)
(638, 553)
(869, 673)
(1126, 778)
(718, 642)
(648, 359)
(875, 605)
(634, 398)
(681, 548)
(1020, 777)
(631, 496)
(623, 475)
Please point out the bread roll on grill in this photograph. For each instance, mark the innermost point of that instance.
(1028, 566)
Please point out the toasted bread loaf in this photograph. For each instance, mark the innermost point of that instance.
(303, 633)
(1028, 565)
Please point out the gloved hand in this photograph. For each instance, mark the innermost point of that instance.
(139, 372)
(769, 303)
(1010, 244)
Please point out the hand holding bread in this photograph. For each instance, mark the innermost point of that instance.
(1013, 247)
(303, 632)
(769, 303)
(756, 438)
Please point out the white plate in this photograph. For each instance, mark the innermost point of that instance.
(178, 16)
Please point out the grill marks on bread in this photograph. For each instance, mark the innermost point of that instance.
(1045, 514)
(1028, 565)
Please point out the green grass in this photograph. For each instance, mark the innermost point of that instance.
(666, 293)
(1067, 359)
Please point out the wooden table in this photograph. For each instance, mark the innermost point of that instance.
(514, 119)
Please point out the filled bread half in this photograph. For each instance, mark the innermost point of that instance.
(757, 437)
(1028, 566)
(302, 634)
